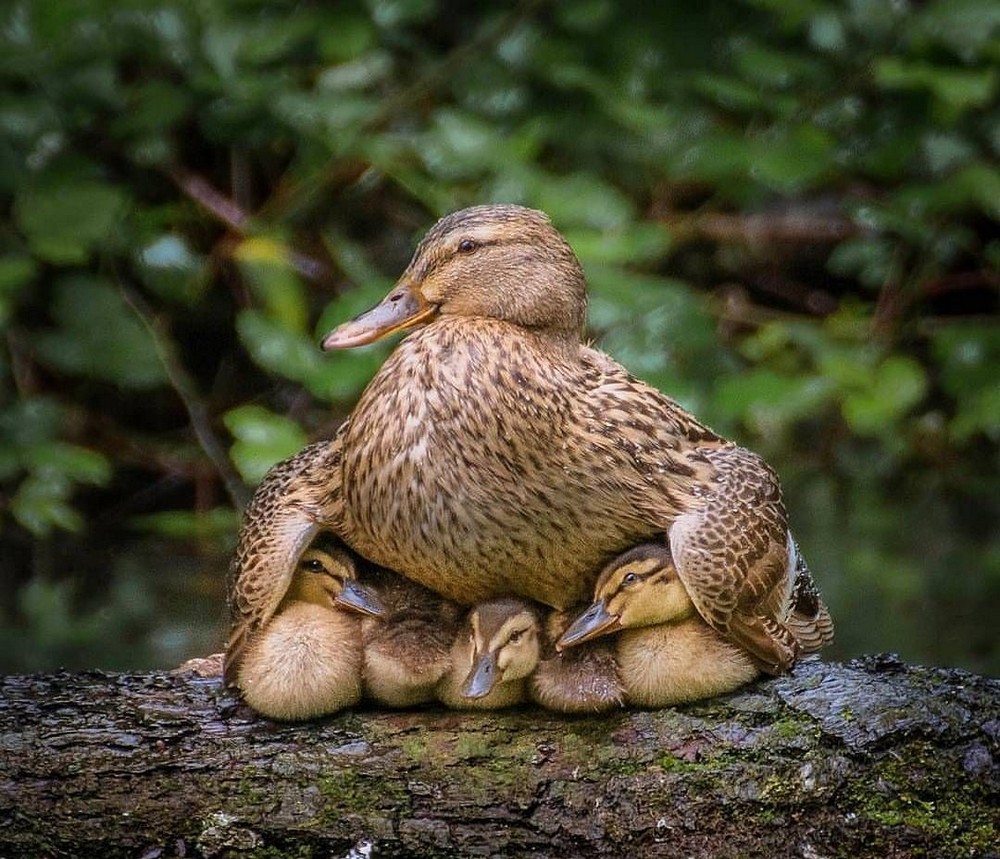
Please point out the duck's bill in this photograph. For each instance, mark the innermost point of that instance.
(482, 677)
(593, 623)
(357, 597)
(401, 309)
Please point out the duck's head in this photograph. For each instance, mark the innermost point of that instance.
(328, 577)
(638, 588)
(504, 639)
(496, 262)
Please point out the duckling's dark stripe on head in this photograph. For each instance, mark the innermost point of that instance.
(644, 568)
(659, 554)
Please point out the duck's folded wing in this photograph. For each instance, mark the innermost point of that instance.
(732, 553)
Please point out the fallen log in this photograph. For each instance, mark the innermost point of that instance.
(869, 758)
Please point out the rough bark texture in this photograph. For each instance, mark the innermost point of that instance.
(871, 758)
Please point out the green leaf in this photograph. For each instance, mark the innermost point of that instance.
(15, 273)
(955, 90)
(349, 37)
(769, 403)
(276, 348)
(77, 464)
(86, 309)
(266, 264)
(190, 524)
(262, 439)
(898, 384)
(793, 159)
(40, 504)
(64, 222)
(172, 270)
(634, 244)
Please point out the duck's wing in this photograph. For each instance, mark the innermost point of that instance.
(808, 617)
(297, 498)
(733, 553)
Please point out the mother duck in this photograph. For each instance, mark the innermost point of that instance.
(495, 453)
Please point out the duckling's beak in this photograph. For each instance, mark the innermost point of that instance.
(482, 677)
(402, 308)
(357, 597)
(594, 622)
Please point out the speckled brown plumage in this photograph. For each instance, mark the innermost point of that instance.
(808, 617)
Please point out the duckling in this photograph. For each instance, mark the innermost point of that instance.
(665, 653)
(583, 679)
(493, 655)
(407, 646)
(292, 502)
(306, 660)
(511, 458)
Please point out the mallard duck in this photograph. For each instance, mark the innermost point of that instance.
(584, 679)
(306, 659)
(495, 453)
(493, 655)
(408, 645)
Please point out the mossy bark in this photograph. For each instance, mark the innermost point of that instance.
(870, 758)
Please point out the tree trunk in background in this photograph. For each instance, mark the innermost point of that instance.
(871, 758)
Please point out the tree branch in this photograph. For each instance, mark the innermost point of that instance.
(187, 390)
(831, 760)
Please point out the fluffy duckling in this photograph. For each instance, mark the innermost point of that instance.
(493, 656)
(407, 646)
(665, 653)
(583, 679)
(306, 661)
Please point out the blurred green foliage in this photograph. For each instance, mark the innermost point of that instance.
(787, 212)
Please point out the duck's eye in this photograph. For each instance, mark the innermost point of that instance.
(467, 245)
(630, 579)
(312, 565)
(515, 636)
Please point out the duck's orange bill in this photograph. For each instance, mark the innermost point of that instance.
(402, 308)
(594, 622)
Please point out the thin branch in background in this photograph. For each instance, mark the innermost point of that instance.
(185, 387)
(217, 204)
(762, 228)
(205, 194)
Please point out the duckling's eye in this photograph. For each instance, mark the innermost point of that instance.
(515, 636)
(630, 579)
(467, 245)
(313, 566)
